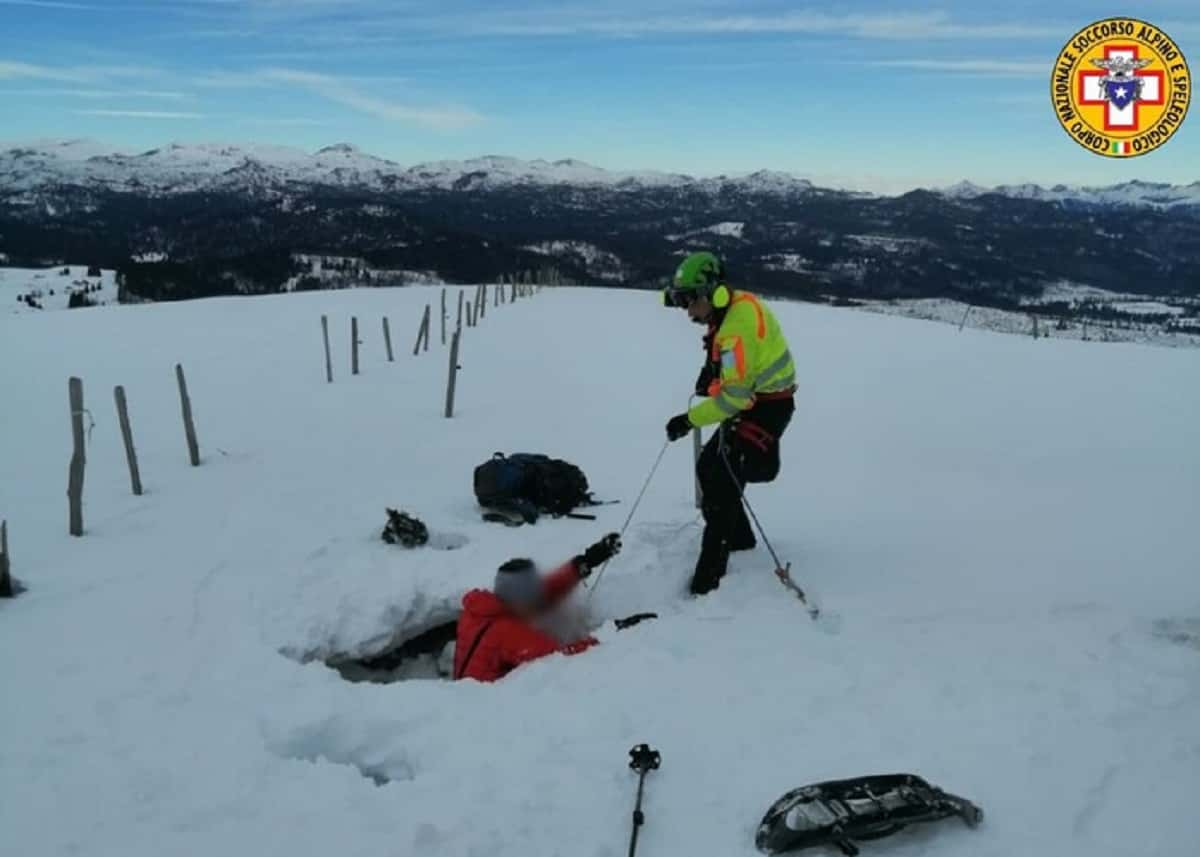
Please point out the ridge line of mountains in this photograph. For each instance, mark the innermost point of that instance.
(195, 220)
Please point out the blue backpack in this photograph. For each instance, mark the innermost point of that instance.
(529, 484)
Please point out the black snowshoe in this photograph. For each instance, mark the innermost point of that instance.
(402, 528)
(837, 812)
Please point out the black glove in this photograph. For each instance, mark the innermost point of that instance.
(678, 427)
(598, 554)
(630, 621)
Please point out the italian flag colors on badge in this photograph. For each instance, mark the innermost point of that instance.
(1120, 147)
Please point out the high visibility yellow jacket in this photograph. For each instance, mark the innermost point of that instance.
(754, 359)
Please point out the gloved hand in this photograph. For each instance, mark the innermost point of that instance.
(678, 427)
(598, 554)
(630, 621)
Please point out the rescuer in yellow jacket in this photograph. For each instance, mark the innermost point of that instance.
(749, 381)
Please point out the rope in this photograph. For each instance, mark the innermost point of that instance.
(629, 517)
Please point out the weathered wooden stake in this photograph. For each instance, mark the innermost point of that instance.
(6, 587)
(387, 340)
(514, 291)
(482, 314)
(445, 317)
(189, 427)
(354, 345)
(452, 380)
(328, 356)
(422, 333)
(78, 457)
(697, 447)
(470, 315)
(135, 476)
(460, 310)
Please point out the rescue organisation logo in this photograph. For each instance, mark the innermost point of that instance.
(1121, 87)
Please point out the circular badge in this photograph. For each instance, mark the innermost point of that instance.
(1121, 87)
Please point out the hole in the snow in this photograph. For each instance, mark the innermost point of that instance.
(426, 656)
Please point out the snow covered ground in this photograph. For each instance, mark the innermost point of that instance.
(1005, 529)
(1181, 333)
(51, 289)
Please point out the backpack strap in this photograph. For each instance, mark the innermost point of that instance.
(471, 651)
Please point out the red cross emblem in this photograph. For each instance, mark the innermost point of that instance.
(1117, 117)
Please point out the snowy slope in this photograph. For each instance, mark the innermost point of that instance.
(1005, 528)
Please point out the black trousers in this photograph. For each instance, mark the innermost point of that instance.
(743, 450)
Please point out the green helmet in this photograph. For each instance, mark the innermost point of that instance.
(698, 275)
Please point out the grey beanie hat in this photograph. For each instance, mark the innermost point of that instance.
(518, 583)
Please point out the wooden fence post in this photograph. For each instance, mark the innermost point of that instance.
(78, 457)
(387, 340)
(422, 333)
(482, 304)
(189, 427)
(697, 447)
(135, 476)
(428, 316)
(6, 587)
(460, 310)
(444, 316)
(354, 345)
(328, 356)
(452, 380)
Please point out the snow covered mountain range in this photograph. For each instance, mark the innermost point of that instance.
(187, 221)
(182, 168)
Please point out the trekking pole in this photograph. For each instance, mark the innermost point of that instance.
(629, 517)
(642, 759)
(783, 572)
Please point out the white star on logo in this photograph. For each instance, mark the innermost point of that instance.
(1121, 92)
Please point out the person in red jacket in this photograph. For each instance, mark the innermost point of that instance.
(495, 631)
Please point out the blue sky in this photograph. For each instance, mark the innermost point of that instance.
(879, 95)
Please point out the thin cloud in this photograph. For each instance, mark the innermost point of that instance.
(340, 92)
(140, 114)
(99, 93)
(290, 122)
(998, 68)
(29, 71)
(896, 26)
(15, 70)
(49, 4)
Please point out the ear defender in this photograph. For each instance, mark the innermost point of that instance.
(721, 296)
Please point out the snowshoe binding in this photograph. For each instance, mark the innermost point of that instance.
(838, 812)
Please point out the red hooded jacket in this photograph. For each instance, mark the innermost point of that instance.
(501, 640)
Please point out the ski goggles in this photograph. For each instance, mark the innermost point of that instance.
(675, 296)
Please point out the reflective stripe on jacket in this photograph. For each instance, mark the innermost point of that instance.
(754, 358)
